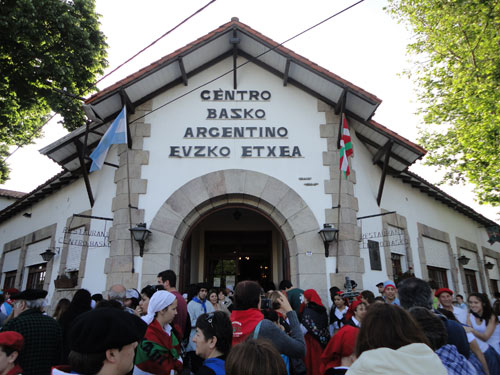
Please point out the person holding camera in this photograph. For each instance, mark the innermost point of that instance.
(248, 321)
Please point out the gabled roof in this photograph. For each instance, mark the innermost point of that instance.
(433, 191)
(48, 187)
(235, 38)
(11, 194)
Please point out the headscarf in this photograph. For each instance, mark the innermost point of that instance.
(160, 300)
(312, 296)
(341, 344)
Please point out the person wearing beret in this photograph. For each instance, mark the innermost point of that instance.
(159, 352)
(103, 342)
(11, 344)
(445, 297)
(42, 334)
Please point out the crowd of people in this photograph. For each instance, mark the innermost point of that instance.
(411, 328)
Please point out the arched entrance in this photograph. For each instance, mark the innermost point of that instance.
(220, 193)
(232, 243)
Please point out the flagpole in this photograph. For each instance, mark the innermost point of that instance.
(341, 124)
(129, 206)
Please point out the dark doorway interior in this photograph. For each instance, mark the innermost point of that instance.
(233, 256)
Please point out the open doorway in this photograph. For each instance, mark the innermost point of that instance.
(234, 244)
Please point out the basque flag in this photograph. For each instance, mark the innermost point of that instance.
(345, 148)
(116, 134)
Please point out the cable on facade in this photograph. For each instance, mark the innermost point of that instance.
(248, 61)
(63, 92)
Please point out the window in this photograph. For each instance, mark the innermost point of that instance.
(397, 270)
(470, 280)
(36, 276)
(439, 276)
(374, 250)
(10, 279)
(494, 286)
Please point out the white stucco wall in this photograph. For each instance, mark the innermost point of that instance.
(56, 209)
(288, 107)
(415, 206)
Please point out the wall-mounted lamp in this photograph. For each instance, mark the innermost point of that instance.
(489, 265)
(140, 234)
(47, 255)
(463, 260)
(328, 234)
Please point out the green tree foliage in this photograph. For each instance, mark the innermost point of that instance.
(47, 48)
(457, 47)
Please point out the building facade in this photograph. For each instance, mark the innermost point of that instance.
(233, 165)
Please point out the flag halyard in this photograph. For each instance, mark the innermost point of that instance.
(116, 134)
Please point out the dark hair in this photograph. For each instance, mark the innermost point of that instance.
(487, 309)
(448, 314)
(149, 290)
(285, 284)
(170, 276)
(213, 291)
(97, 297)
(333, 291)
(246, 295)
(496, 308)
(217, 324)
(271, 315)
(415, 292)
(109, 304)
(255, 357)
(379, 298)
(8, 351)
(432, 284)
(61, 307)
(431, 325)
(78, 305)
(86, 363)
(459, 295)
(387, 326)
(368, 295)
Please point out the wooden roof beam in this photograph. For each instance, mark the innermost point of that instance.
(183, 71)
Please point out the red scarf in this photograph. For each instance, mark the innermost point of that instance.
(159, 364)
(244, 322)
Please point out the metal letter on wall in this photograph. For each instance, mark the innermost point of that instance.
(374, 250)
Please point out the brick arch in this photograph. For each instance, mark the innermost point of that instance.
(180, 213)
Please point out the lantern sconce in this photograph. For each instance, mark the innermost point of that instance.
(49, 254)
(140, 234)
(328, 234)
(463, 260)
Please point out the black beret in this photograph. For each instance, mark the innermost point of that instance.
(30, 294)
(105, 328)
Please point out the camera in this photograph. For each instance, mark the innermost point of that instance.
(266, 303)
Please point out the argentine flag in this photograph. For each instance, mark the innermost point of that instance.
(116, 134)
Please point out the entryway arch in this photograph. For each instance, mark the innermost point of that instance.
(264, 194)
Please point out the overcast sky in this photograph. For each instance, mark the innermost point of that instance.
(363, 45)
